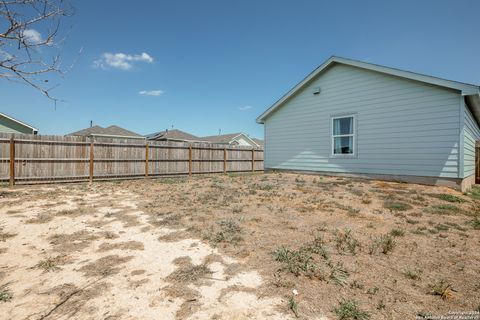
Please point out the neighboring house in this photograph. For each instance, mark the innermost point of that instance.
(260, 142)
(233, 139)
(173, 135)
(108, 132)
(12, 125)
(355, 118)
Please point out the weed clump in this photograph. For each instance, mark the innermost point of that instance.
(5, 293)
(349, 310)
(297, 262)
(396, 206)
(345, 241)
(384, 244)
(228, 231)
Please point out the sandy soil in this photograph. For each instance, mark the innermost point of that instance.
(235, 247)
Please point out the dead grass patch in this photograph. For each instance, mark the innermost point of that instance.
(128, 245)
(105, 266)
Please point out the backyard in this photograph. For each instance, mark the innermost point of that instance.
(251, 246)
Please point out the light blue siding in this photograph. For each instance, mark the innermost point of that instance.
(404, 127)
(471, 133)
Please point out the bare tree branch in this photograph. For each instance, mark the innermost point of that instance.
(29, 41)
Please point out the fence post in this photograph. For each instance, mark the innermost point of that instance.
(12, 161)
(91, 161)
(224, 160)
(253, 160)
(146, 160)
(190, 160)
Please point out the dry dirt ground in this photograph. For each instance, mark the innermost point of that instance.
(262, 246)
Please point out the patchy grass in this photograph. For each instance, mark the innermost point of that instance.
(449, 197)
(444, 209)
(396, 206)
(350, 310)
(372, 243)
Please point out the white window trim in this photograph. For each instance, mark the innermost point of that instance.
(354, 135)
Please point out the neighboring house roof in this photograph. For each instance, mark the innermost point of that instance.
(35, 130)
(229, 138)
(260, 142)
(111, 131)
(472, 92)
(174, 135)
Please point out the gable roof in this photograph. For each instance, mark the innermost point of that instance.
(260, 142)
(18, 121)
(228, 138)
(465, 88)
(174, 134)
(111, 131)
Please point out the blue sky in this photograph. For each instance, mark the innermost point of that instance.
(209, 65)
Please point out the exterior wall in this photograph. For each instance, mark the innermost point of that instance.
(471, 133)
(9, 126)
(403, 127)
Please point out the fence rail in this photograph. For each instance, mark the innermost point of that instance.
(41, 159)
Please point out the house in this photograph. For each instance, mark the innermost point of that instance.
(9, 124)
(233, 139)
(108, 132)
(259, 142)
(173, 135)
(354, 118)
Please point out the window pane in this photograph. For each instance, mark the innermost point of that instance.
(343, 126)
(343, 145)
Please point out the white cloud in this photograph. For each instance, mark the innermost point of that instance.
(155, 93)
(32, 36)
(244, 108)
(121, 61)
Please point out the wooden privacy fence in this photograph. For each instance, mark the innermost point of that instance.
(30, 159)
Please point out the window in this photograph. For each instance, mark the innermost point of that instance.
(343, 135)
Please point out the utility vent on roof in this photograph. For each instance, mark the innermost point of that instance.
(316, 90)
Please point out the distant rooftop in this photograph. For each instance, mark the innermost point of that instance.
(111, 131)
